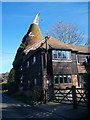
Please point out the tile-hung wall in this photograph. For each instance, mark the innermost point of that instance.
(62, 62)
(64, 68)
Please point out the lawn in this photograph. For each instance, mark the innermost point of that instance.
(3, 86)
(24, 99)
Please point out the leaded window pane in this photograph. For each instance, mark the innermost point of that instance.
(61, 79)
(65, 79)
(59, 54)
(63, 54)
(54, 54)
(69, 79)
(68, 55)
(56, 79)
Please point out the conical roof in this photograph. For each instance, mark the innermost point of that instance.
(34, 33)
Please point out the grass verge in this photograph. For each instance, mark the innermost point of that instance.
(24, 99)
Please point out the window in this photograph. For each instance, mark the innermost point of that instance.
(81, 80)
(65, 79)
(62, 79)
(27, 64)
(54, 54)
(68, 55)
(69, 78)
(21, 81)
(27, 39)
(21, 77)
(77, 59)
(61, 55)
(21, 68)
(35, 82)
(56, 79)
(28, 83)
(34, 59)
(87, 59)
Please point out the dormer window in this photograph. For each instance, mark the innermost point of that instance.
(61, 55)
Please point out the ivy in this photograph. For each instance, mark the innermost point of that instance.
(11, 76)
(18, 58)
(16, 72)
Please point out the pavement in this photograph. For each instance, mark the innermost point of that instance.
(14, 109)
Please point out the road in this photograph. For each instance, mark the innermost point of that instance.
(15, 109)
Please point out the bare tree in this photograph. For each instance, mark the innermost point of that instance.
(67, 33)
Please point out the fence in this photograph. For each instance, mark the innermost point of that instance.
(73, 95)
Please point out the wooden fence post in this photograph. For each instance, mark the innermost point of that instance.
(74, 96)
(45, 96)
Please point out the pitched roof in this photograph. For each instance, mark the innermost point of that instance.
(37, 36)
(80, 49)
(54, 43)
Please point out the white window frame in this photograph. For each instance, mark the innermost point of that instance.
(64, 83)
(64, 79)
(53, 53)
(69, 76)
(60, 76)
(66, 53)
(54, 80)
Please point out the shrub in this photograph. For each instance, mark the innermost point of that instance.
(3, 86)
(12, 88)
